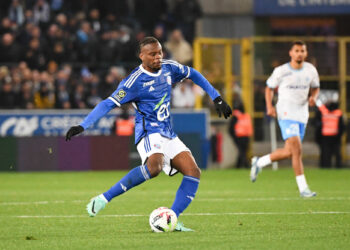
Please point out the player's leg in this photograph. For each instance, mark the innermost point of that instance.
(297, 163)
(183, 161)
(136, 176)
(185, 164)
(288, 129)
(153, 159)
(258, 163)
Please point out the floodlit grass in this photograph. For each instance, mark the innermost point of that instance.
(47, 211)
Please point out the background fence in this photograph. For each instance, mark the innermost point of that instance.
(239, 68)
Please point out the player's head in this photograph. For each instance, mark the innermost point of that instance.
(151, 53)
(298, 52)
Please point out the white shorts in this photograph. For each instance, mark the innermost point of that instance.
(155, 143)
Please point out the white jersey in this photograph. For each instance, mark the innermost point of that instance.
(293, 90)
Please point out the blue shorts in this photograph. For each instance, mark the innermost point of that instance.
(290, 128)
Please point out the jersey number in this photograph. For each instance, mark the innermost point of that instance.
(163, 112)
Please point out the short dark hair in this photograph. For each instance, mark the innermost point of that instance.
(147, 40)
(297, 42)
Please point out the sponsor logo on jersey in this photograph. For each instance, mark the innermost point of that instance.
(297, 86)
(151, 89)
(156, 146)
(287, 74)
(148, 83)
(154, 124)
(120, 95)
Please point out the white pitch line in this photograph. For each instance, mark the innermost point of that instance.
(188, 214)
(15, 203)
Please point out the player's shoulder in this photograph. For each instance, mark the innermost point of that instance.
(281, 68)
(171, 64)
(129, 81)
(309, 66)
(174, 66)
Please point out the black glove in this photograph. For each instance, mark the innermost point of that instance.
(74, 131)
(222, 107)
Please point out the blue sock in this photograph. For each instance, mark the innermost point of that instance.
(135, 177)
(185, 194)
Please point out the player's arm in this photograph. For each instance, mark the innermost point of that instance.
(272, 83)
(313, 96)
(220, 105)
(99, 111)
(270, 109)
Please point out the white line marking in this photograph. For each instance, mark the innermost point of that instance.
(189, 214)
(15, 203)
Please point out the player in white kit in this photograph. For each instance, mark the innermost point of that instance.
(298, 87)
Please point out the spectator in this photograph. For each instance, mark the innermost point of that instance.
(62, 96)
(5, 26)
(94, 19)
(35, 56)
(93, 98)
(41, 13)
(78, 97)
(148, 15)
(241, 129)
(329, 130)
(9, 49)
(183, 96)
(16, 14)
(86, 41)
(7, 96)
(186, 12)
(26, 98)
(44, 98)
(179, 48)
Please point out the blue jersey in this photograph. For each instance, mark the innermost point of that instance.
(150, 94)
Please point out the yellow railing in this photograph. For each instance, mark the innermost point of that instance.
(247, 75)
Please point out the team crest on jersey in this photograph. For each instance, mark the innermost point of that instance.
(120, 95)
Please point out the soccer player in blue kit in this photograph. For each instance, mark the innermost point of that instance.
(148, 88)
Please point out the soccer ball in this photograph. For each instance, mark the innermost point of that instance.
(162, 220)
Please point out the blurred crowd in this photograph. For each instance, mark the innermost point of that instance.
(72, 54)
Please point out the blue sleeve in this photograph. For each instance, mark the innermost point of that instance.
(99, 111)
(200, 80)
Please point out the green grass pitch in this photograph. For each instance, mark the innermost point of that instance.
(47, 211)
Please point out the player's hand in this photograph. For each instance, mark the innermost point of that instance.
(74, 131)
(222, 107)
(271, 111)
(312, 101)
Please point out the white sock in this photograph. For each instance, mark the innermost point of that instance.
(103, 197)
(301, 181)
(264, 161)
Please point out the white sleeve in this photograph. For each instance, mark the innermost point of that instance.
(315, 82)
(274, 80)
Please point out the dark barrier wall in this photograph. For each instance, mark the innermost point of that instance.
(8, 154)
(54, 153)
(34, 141)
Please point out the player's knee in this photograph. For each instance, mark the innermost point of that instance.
(296, 150)
(154, 169)
(194, 171)
(155, 165)
(198, 172)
